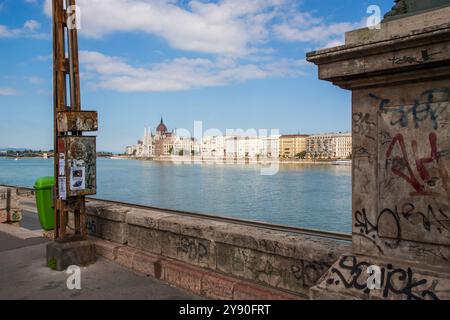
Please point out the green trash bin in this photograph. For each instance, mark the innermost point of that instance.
(44, 202)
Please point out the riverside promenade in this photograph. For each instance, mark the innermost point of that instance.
(25, 274)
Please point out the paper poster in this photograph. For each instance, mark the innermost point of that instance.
(62, 164)
(62, 188)
(78, 175)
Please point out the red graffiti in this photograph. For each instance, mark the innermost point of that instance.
(402, 162)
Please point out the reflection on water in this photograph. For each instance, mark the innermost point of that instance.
(310, 196)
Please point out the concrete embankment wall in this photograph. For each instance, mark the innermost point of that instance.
(216, 259)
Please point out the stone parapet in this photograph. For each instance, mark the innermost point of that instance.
(107, 222)
(278, 260)
(184, 275)
(10, 210)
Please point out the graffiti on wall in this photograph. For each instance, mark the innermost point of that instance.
(402, 165)
(386, 229)
(406, 165)
(288, 274)
(425, 56)
(194, 250)
(425, 108)
(401, 283)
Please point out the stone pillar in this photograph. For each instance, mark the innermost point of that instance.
(400, 82)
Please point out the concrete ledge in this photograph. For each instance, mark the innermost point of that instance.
(273, 259)
(107, 221)
(194, 279)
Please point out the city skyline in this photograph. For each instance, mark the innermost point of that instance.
(238, 144)
(234, 76)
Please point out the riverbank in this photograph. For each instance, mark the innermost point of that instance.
(188, 160)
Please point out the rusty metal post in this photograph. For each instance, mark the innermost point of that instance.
(68, 198)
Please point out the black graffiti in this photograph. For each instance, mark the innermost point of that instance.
(385, 137)
(425, 57)
(194, 249)
(308, 273)
(431, 217)
(423, 109)
(395, 281)
(371, 230)
(362, 124)
(392, 218)
(361, 152)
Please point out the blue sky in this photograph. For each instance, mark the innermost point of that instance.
(230, 63)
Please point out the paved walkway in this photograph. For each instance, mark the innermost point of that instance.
(24, 274)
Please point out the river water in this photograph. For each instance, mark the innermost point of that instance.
(309, 196)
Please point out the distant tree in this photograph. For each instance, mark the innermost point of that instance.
(301, 155)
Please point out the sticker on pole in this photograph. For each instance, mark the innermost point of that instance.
(62, 164)
(62, 188)
(78, 175)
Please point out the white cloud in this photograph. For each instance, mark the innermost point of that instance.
(239, 38)
(7, 91)
(226, 27)
(32, 25)
(302, 27)
(179, 74)
(29, 29)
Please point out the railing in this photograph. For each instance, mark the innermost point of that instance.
(275, 227)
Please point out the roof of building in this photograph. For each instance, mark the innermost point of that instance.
(162, 127)
(287, 136)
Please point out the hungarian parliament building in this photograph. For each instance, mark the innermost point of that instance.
(166, 144)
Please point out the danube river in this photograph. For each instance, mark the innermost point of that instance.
(309, 196)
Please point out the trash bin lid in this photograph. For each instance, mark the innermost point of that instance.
(44, 183)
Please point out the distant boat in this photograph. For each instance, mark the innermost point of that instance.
(17, 158)
(342, 163)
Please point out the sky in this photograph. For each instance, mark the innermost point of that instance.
(232, 64)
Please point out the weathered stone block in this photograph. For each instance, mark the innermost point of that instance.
(275, 271)
(107, 229)
(196, 251)
(182, 276)
(147, 264)
(125, 256)
(106, 249)
(9, 201)
(398, 281)
(216, 286)
(145, 239)
(62, 255)
(145, 218)
(247, 291)
(224, 257)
